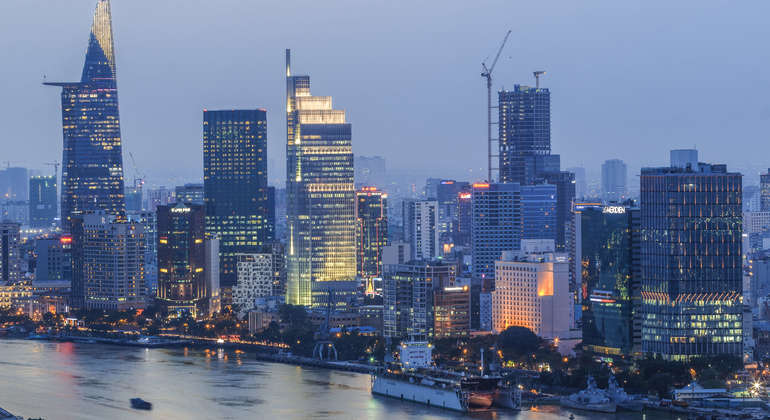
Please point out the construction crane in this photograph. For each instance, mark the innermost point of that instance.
(487, 73)
(537, 78)
(138, 177)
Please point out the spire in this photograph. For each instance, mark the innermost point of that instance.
(100, 58)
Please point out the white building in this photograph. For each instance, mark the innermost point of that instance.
(254, 280)
(212, 275)
(421, 228)
(532, 291)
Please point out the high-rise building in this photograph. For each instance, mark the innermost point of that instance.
(54, 259)
(451, 311)
(108, 262)
(320, 195)
(581, 185)
(235, 184)
(691, 260)
(408, 291)
(189, 193)
(497, 221)
(10, 253)
(764, 191)
(370, 170)
(255, 274)
(447, 193)
(538, 211)
(371, 231)
(614, 176)
(420, 218)
(92, 162)
(182, 258)
(14, 184)
(525, 132)
(135, 196)
(211, 278)
(607, 256)
(159, 196)
(42, 201)
(395, 253)
(462, 234)
(149, 221)
(565, 195)
(532, 291)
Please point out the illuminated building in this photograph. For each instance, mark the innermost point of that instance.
(371, 231)
(255, 273)
(420, 218)
(54, 259)
(235, 184)
(148, 220)
(321, 254)
(182, 258)
(189, 193)
(538, 211)
(462, 234)
(525, 132)
(451, 311)
(496, 226)
(92, 162)
(42, 201)
(565, 195)
(211, 277)
(10, 253)
(532, 291)
(108, 262)
(614, 174)
(445, 192)
(764, 191)
(607, 256)
(135, 196)
(408, 291)
(692, 282)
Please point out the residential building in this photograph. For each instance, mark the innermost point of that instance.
(10, 253)
(420, 218)
(451, 311)
(54, 259)
(371, 231)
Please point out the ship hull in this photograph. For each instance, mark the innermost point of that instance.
(602, 408)
(447, 398)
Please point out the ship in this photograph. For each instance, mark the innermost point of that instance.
(437, 388)
(591, 399)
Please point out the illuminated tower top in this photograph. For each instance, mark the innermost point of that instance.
(100, 57)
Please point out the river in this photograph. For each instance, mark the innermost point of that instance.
(93, 381)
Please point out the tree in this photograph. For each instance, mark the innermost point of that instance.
(517, 341)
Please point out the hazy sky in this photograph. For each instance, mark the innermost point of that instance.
(628, 79)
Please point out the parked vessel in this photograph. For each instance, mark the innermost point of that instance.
(592, 399)
(140, 404)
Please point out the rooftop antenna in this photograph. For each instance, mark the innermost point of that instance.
(537, 78)
(487, 73)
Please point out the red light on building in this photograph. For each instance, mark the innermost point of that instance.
(480, 185)
(465, 196)
(64, 240)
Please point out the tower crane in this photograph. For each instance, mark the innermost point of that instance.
(55, 165)
(487, 73)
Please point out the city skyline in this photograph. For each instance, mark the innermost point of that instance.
(636, 119)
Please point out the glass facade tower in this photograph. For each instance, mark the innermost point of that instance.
(371, 231)
(321, 254)
(92, 162)
(235, 184)
(691, 226)
(42, 201)
(525, 132)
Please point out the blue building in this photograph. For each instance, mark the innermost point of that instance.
(235, 184)
(538, 211)
(525, 133)
(692, 288)
(42, 201)
(496, 226)
(92, 162)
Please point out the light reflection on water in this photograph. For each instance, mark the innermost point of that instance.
(92, 381)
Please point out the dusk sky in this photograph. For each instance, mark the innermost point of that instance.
(628, 80)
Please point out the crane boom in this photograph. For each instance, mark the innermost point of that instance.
(502, 45)
(487, 74)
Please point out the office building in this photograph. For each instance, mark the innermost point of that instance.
(320, 195)
(524, 132)
(581, 184)
(451, 311)
(496, 226)
(371, 231)
(211, 277)
(135, 196)
(607, 256)
(189, 193)
(14, 184)
(149, 221)
(447, 193)
(10, 253)
(420, 218)
(565, 195)
(235, 184)
(532, 291)
(764, 191)
(462, 234)
(614, 176)
(159, 196)
(54, 259)
(108, 262)
(370, 170)
(255, 275)
(42, 201)
(408, 292)
(692, 282)
(182, 258)
(92, 161)
(538, 211)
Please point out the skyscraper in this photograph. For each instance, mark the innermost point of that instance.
(607, 254)
(189, 193)
(42, 201)
(496, 226)
(108, 262)
(764, 191)
(235, 184)
(320, 195)
(182, 258)
(420, 218)
(538, 212)
(525, 132)
(614, 175)
(691, 261)
(565, 195)
(92, 171)
(371, 231)
(10, 253)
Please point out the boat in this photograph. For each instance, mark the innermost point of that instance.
(140, 404)
(436, 388)
(509, 398)
(622, 400)
(590, 399)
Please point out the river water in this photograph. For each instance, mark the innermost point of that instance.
(94, 381)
